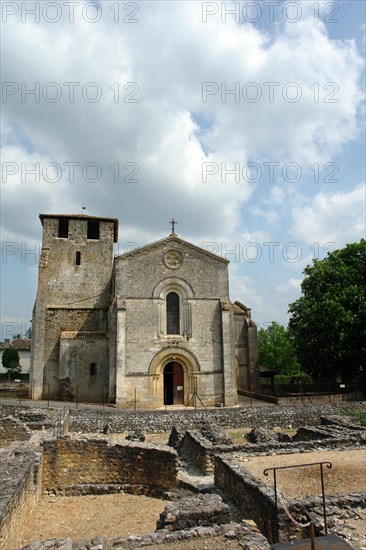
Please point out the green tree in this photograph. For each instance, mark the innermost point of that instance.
(328, 322)
(10, 361)
(28, 333)
(276, 350)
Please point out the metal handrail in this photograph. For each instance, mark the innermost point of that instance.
(265, 472)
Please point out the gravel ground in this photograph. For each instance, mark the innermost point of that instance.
(347, 475)
(89, 516)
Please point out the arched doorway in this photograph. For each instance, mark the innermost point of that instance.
(188, 364)
(173, 384)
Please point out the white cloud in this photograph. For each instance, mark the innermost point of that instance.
(242, 288)
(277, 195)
(170, 132)
(337, 217)
(258, 236)
(290, 287)
(158, 133)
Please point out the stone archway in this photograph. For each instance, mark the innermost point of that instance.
(167, 377)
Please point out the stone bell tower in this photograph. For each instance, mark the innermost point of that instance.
(69, 330)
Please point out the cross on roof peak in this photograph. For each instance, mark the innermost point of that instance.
(173, 223)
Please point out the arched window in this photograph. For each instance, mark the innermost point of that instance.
(172, 313)
(93, 369)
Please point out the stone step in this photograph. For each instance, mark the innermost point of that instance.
(196, 483)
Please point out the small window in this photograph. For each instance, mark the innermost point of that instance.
(172, 313)
(93, 229)
(78, 258)
(63, 228)
(93, 369)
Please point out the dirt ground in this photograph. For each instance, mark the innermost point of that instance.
(347, 475)
(88, 516)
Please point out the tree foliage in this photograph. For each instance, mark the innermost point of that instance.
(276, 350)
(10, 360)
(328, 322)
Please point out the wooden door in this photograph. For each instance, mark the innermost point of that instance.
(178, 384)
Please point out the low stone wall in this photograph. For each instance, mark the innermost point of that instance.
(95, 420)
(162, 421)
(313, 399)
(248, 535)
(256, 500)
(61, 422)
(339, 443)
(251, 496)
(192, 511)
(197, 450)
(39, 418)
(201, 453)
(12, 429)
(317, 399)
(75, 466)
(20, 484)
(339, 506)
(70, 465)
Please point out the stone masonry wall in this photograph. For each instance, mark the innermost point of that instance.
(94, 420)
(248, 535)
(207, 275)
(39, 418)
(206, 509)
(256, 500)
(12, 429)
(252, 497)
(20, 483)
(69, 463)
(144, 278)
(20, 467)
(70, 296)
(199, 451)
(162, 421)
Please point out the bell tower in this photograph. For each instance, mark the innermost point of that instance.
(73, 295)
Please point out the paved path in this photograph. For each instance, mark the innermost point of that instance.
(243, 402)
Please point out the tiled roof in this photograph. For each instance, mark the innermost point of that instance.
(83, 217)
(83, 335)
(240, 308)
(20, 344)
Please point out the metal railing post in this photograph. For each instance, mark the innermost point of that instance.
(265, 472)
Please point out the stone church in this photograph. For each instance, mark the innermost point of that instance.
(153, 326)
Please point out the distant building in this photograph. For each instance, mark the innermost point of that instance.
(23, 346)
(154, 324)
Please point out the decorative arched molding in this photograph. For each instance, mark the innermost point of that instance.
(183, 356)
(175, 354)
(185, 292)
(173, 284)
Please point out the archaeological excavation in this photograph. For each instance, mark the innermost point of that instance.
(180, 479)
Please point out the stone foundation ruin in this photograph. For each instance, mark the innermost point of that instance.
(203, 472)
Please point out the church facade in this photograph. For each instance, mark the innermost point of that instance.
(151, 327)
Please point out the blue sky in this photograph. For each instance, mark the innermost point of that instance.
(248, 130)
